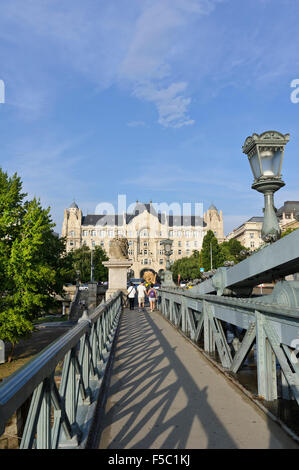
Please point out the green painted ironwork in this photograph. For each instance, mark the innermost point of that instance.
(60, 414)
(273, 327)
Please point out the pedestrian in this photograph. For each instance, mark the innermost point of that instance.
(152, 295)
(131, 295)
(141, 290)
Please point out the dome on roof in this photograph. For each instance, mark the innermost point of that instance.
(212, 208)
(74, 206)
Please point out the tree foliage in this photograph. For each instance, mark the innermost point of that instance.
(80, 260)
(32, 260)
(233, 250)
(210, 247)
(188, 267)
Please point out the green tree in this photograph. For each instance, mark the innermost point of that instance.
(81, 260)
(232, 250)
(210, 246)
(188, 267)
(32, 261)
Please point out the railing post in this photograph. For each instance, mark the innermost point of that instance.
(266, 362)
(209, 342)
(43, 434)
(184, 315)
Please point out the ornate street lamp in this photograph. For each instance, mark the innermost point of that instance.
(167, 277)
(265, 155)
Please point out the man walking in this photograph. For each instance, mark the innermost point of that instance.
(131, 295)
(141, 291)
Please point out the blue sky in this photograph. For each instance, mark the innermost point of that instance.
(149, 98)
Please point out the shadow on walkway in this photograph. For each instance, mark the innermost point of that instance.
(152, 394)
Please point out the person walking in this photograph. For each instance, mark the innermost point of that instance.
(131, 295)
(152, 295)
(141, 291)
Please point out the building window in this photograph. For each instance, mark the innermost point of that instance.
(145, 252)
(187, 252)
(145, 243)
(251, 244)
(187, 244)
(101, 233)
(161, 252)
(179, 243)
(72, 243)
(102, 243)
(171, 233)
(72, 233)
(179, 234)
(111, 233)
(145, 261)
(93, 243)
(179, 252)
(85, 233)
(196, 234)
(195, 244)
(161, 261)
(252, 235)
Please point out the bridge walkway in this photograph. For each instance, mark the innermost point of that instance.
(164, 394)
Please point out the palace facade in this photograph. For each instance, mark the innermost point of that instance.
(145, 229)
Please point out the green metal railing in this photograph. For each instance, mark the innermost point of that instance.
(60, 413)
(273, 328)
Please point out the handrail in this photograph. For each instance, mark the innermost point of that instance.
(271, 327)
(84, 349)
(259, 303)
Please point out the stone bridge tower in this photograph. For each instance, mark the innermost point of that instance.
(71, 227)
(214, 221)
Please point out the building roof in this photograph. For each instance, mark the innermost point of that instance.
(254, 219)
(212, 208)
(117, 219)
(288, 207)
(73, 206)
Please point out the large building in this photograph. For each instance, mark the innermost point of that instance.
(145, 229)
(249, 234)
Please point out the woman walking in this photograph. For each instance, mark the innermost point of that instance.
(131, 295)
(152, 295)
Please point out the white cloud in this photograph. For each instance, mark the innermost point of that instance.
(108, 43)
(136, 124)
(170, 101)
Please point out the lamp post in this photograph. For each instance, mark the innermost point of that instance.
(91, 265)
(77, 277)
(167, 278)
(265, 155)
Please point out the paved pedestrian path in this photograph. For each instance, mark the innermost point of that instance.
(164, 394)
